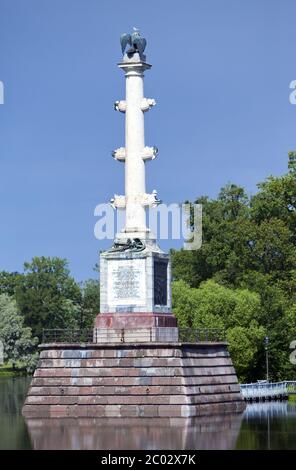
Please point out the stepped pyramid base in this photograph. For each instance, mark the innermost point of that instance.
(133, 380)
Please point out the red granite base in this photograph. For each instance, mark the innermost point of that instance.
(135, 320)
(133, 380)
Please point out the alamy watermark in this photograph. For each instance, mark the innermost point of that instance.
(1, 92)
(1, 353)
(293, 353)
(167, 222)
(292, 96)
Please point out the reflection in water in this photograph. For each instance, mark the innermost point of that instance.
(13, 431)
(270, 425)
(212, 432)
(277, 409)
(263, 426)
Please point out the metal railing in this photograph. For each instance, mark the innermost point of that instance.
(267, 390)
(67, 336)
(211, 335)
(124, 335)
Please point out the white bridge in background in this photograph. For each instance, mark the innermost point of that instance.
(268, 390)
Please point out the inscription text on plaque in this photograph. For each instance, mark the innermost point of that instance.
(126, 280)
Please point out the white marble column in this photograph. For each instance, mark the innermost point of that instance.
(134, 145)
(134, 154)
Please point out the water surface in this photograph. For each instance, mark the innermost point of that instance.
(261, 426)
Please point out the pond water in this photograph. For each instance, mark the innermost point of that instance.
(261, 426)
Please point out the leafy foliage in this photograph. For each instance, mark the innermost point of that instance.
(47, 296)
(215, 306)
(90, 303)
(19, 346)
(244, 274)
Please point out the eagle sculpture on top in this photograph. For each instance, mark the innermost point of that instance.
(134, 40)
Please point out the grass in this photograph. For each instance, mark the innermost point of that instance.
(6, 370)
(292, 397)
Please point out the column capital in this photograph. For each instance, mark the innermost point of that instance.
(134, 67)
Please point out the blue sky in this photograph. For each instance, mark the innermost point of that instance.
(221, 74)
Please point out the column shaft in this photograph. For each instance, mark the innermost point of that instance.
(134, 145)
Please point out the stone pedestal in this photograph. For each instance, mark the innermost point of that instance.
(133, 380)
(135, 297)
(135, 282)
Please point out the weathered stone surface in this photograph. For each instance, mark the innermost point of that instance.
(136, 362)
(129, 380)
(141, 320)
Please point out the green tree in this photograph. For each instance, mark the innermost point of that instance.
(216, 306)
(225, 232)
(248, 244)
(292, 162)
(184, 303)
(90, 303)
(9, 282)
(271, 249)
(19, 346)
(276, 199)
(47, 296)
(245, 345)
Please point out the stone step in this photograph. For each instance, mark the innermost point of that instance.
(135, 362)
(131, 399)
(134, 352)
(132, 381)
(132, 390)
(134, 372)
(208, 380)
(42, 411)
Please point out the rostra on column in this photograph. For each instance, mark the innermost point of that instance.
(135, 153)
(135, 218)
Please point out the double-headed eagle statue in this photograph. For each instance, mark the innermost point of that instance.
(134, 40)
